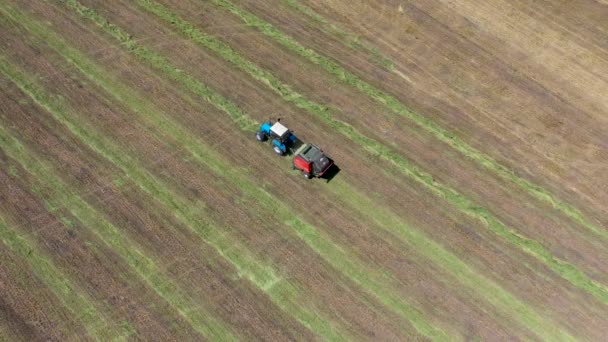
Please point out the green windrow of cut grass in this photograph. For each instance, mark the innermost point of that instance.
(59, 195)
(17, 274)
(507, 305)
(353, 41)
(397, 107)
(231, 116)
(73, 298)
(160, 63)
(287, 296)
(374, 147)
(176, 19)
(335, 256)
(306, 234)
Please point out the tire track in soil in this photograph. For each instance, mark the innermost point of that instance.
(511, 207)
(436, 49)
(72, 90)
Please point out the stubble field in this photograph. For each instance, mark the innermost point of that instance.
(471, 201)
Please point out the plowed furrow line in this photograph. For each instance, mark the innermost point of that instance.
(396, 106)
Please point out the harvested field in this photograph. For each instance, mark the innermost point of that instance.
(470, 203)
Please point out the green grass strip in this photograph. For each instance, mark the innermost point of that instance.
(191, 31)
(69, 295)
(443, 134)
(561, 267)
(507, 304)
(159, 62)
(60, 196)
(427, 124)
(351, 40)
(305, 231)
(371, 145)
(284, 294)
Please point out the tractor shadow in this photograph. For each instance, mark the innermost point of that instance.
(331, 173)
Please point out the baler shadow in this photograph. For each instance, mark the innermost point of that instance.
(331, 173)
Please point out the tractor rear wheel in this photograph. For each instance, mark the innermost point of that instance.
(261, 136)
(307, 175)
(278, 150)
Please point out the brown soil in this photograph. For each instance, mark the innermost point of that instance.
(80, 262)
(200, 270)
(28, 308)
(313, 274)
(180, 252)
(488, 89)
(512, 206)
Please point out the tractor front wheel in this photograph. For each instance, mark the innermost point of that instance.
(261, 136)
(307, 175)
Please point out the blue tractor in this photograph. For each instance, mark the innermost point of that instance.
(280, 136)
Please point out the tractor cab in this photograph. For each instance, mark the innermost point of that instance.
(311, 161)
(282, 138)
(279, 131)
(307, 158)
